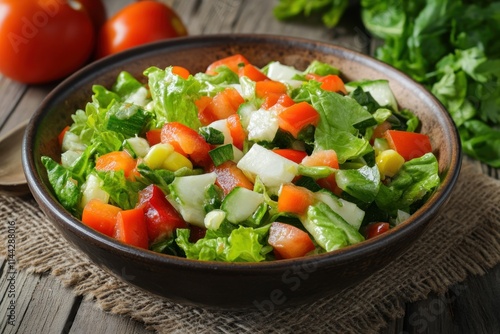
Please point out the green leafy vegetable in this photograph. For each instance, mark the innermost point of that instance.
(173, 97)
(66, 189)
(451, 47)
(331, 11)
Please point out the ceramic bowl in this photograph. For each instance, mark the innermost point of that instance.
(237, 285)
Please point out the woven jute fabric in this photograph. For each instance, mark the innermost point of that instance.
(463, 240)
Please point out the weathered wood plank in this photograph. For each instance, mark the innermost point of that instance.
(91, 319)
(40, 303)
(12, 92)
(27, 106)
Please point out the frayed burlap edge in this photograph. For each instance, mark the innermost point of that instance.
(463, 240)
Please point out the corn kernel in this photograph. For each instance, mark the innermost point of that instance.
(176, 161)
(389, 162)
(157, 154)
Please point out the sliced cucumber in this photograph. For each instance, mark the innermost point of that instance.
(240, 204)
(221, 125)
(272, 169)
(214, 218)
(284, 73)
(379, 90)
(136, 147)
(72, 142)
(347, 210)
(92, 189)
(187, 195)
(262, 125)
(245, 110)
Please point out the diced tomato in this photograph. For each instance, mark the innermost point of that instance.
(196, 233)
(131, 228)
(273, 100)
(233, 62)
(161, 217)
(205, 115)
(376, 229)
(187, 142)
(61, 135)
(330, 82)
(116, 161)
(134, 174)
(409, 145)
(294, 199)
(230, 176)
(296, 117)
(291, 154)
(252, 72)
(289, 241)
(181, 71)
(322, 158)
(266, 87)
(153, 136)
(236, 129)
(224, 103)
(380, 129)
(325, 158)
(100, 216)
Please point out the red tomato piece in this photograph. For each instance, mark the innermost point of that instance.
(234, 63)
(409, 145)
(205, 114)
(61, 135)
(139, 23)
(131, 228)
(161, 217)
(289, 241)
(325, 158)
(181, 71)
(380, 129)
(272, 100)
(252, 72)
(187, 142)
(236, 129)
(45, 40)
(296, 117)
(330, 82)
(116, 161)
(196, 233)
(224, 104)
(230, 176)
(153, 136)
(376, 229)
(294, 199)
(100, 216)
(291, 154)
(266, 87)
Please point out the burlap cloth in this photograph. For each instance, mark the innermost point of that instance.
(463, 240)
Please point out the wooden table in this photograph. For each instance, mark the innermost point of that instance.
(45, 306)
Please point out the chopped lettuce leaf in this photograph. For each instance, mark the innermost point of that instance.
(173, 97)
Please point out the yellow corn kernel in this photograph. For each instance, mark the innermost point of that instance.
(389, 162)
(157, 154)
(176, 161)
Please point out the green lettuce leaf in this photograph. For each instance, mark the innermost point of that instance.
(416, 180)
(173, 97)
(329, 229)
(65, 187)
(229, 243)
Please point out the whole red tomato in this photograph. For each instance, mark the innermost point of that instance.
(97, 12)
(139, 23)
(43, 40)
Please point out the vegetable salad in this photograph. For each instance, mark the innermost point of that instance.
(240, 163)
